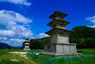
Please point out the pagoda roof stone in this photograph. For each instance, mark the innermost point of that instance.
(58, 21)
(57, 13)
(56, 30)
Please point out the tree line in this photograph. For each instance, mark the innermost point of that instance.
(82, 35)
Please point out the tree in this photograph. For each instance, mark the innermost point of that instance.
(82, 35)
(39, 43)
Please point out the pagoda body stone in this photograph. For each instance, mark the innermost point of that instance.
(59, 36)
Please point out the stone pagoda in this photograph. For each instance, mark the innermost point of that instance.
(26, 45)
(59, 36)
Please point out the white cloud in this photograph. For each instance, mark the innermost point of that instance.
(7, 33)
(22, 2)
(3, 38)
(22, 19)
(14, 42)
(14, 32)
(92, 20)
(10, 18)
(42, 35)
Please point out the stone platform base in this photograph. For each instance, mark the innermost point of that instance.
(59, 54)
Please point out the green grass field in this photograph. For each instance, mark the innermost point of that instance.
(10, 58)
(87, 57)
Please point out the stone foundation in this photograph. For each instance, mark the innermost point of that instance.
(61, 49)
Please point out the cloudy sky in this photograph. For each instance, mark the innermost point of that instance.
(20, 19)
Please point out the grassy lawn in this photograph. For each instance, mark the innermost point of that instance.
(87, 57)
(88, 51)
(10, 58)
(5, 52)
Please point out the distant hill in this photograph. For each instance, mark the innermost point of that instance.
(4, 46)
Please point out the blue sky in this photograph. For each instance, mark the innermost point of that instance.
(20, 19)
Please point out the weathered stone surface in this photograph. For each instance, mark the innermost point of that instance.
(59, 37)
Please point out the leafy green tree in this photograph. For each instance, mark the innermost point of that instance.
(84, 36)
(39, 43)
